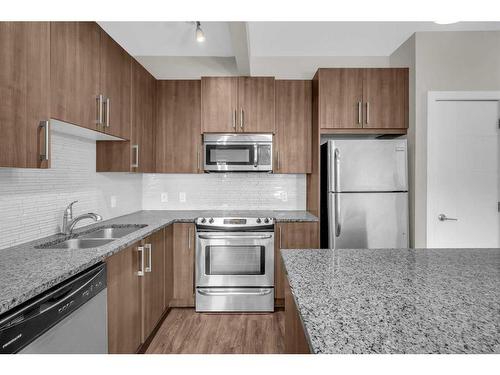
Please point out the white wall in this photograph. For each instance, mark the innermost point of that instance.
(32, 201)
(238, 191)
(444, 61)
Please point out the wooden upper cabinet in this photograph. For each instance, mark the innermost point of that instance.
(256, 104)
(178, 131)
(24, 96)
(143, 118)
(363, 98)
(385, 95)
(75, 72)
(153, 282)
(115, 79)
(124, 301)
(219, 104)
(293, 126)
(183, 264)
(340, 98)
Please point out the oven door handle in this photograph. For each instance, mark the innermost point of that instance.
(210, 292)
(233, 237)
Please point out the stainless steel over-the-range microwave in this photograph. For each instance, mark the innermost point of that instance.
(238, 152)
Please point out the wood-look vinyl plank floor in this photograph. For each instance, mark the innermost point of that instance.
(186, 332)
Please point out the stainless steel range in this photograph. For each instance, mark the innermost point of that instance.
(234, 264)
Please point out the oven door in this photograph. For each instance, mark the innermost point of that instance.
(235, 259)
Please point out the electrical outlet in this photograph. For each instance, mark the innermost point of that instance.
(182, 197)
(164, 197)
(113, 201)
(284, 196)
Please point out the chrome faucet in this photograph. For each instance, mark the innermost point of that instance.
(68, 221)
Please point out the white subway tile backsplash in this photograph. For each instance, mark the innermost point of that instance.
(32, 201)
(238, 191)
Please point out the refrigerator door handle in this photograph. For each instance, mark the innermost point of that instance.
(336, 157)
(338, 227)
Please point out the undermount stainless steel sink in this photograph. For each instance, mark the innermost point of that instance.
(80, 243)
(111, 232)
(94, 238)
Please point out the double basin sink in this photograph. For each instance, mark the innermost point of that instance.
(93, 238)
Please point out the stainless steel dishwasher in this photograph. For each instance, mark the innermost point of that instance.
(69, 318)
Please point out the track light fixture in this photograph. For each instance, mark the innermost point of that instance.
(200, 36)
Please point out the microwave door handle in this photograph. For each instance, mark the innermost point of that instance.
(255, 155)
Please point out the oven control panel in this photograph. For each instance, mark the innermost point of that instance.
(235, 222)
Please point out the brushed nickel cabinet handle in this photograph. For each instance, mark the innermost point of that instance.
(189, 238)
(108, 111)
(149, 267)
(140, 272)
(367, 112)
(99, 100)
(44, 156)
(241, 119)
(280, 238)
(135, 148)
(359, 112)
(278, 161)
(234, 118)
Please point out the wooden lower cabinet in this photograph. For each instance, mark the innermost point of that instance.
(136, 302)
(183, 265)
(124, 301)
(153, 282)
(297, 235)
(295, 338)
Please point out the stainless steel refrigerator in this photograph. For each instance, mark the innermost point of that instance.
(364, 193)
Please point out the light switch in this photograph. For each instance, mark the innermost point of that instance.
(113, 201)
(182, 196)
(284, 196)
(164, 197)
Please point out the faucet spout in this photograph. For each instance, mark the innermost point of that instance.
(69, 223)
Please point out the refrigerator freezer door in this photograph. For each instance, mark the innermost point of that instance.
(368, 220)
(367, 165)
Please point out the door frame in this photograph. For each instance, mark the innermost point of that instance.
(433, 98)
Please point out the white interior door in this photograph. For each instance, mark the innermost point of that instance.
(463, 174)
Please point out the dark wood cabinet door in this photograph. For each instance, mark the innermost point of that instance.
(143, 108)
(183, 264)
(298, 235)
(75, 72)
(256, 105)
(219, 104)
(340, 98)
(153, 282)
(385, 94)
(115, 79)
(169, 265)
(293, 126)
(178, 131)
(24, 93)
(124, 303)
(295, 338)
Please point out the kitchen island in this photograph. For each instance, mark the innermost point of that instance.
(394, 300)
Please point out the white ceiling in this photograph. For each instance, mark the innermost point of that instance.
(342, 38)
(170, 38)
(275, 38)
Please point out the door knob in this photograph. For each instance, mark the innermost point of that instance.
(442, 217)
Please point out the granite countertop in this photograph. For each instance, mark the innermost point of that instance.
(397, 300)
(26, 271)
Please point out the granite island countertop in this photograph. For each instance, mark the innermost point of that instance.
(397, 300)
(26, 271)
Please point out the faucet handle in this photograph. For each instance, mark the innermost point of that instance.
(69, 210)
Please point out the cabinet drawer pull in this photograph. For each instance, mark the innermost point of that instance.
(367, 112)
(234, 118)
(242, 119)
(44, 156)
(360, 105)
(135, 164)
(280, 238)
(189, 238)
(140, 272)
